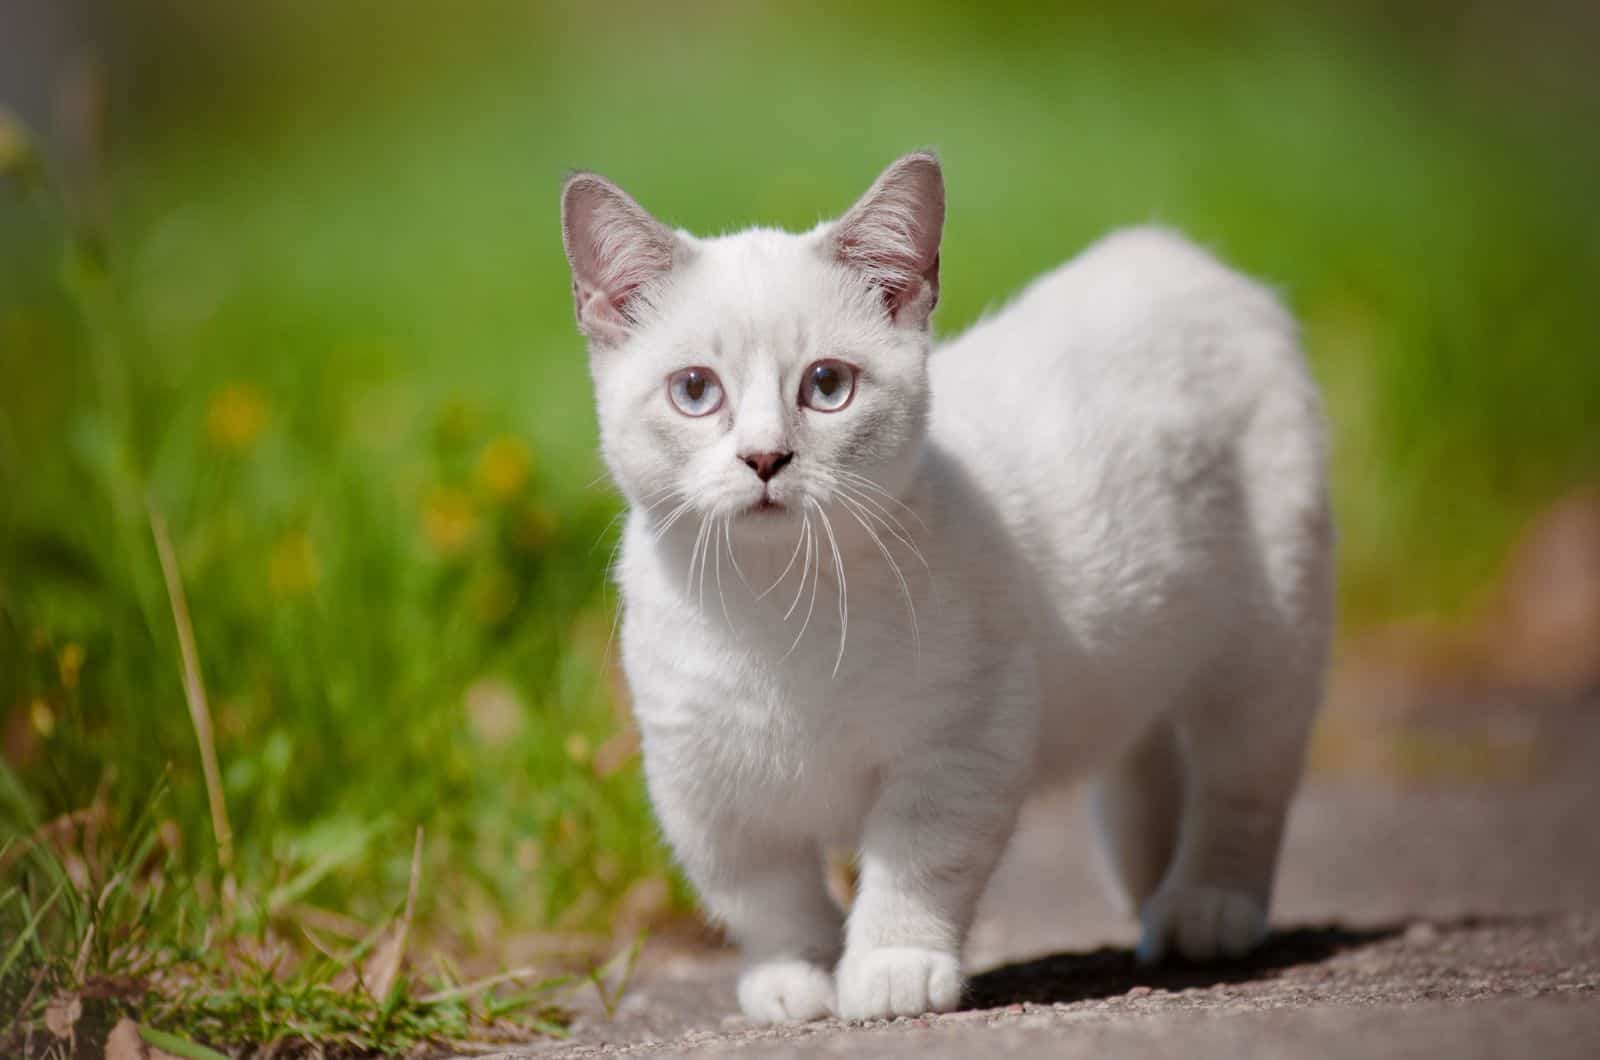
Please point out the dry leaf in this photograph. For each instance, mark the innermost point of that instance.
(124, 1042)
(62, 1014)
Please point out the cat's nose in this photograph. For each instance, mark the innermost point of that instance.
(765, 465)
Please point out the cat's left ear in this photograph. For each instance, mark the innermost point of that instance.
(616, 249)
(891, 236)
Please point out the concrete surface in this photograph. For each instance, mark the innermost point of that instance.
(1460, 921)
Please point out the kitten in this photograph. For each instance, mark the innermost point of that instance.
(873, 591)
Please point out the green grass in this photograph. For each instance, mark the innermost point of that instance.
(317, 319)
(109, 931)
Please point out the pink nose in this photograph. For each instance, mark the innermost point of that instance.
(765, 465)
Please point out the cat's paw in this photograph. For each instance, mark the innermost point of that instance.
(899, 981)
(1201, 924)
(785, 992)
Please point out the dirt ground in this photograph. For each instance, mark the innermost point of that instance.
(1457, 917)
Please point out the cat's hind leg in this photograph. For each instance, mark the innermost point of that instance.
(1136, 806)
(1242, 729)
(1241, 763)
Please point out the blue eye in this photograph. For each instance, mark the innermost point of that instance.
(695, 391)
(828, 386)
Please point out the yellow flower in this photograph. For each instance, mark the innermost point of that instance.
(236, 416)
(449, 520)
(504, 467)
(292, 569)
(69, 663)
(43, 718)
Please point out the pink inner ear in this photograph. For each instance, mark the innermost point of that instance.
(615, 248)
(892, 236)
(627, 255)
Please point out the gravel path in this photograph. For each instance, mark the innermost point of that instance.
(1461, 921)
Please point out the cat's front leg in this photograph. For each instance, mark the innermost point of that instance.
(789, 932)
(929, 847)
(769, 893)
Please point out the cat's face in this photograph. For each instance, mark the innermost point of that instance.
(755, 376)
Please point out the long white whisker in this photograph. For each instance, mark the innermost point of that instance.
(905, 589)
(616, 611)
(705, 558)
(799, 539)
(717, 545)
(727, 537)
(866, 483)
(607, 529)
(694, 556)
(672, 518)
(816, 576)
(799, 590)
(885, 519)
(844, 592)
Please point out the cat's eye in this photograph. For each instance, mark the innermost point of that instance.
(828, 386)
(695, 391)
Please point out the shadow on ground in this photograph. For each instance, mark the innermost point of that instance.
(1111, 972)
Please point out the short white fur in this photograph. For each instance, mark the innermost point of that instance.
(1087, 539)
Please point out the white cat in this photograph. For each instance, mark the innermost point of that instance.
(872, 591)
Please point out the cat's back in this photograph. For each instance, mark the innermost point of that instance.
(1145, 423)
(1144, 359)
(1142, 323)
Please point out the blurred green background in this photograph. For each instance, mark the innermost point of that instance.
(295, 283)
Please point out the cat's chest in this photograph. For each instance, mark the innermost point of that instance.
(747, 754)
(746, 730)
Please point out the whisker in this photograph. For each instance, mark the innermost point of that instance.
(884, 518)
(694, 557)
(616, 609)
(816, 576)
(799, 590)
(717, 546)
(672, 518)
(867, 483)
(601, 536)
(799, 538)
(905, 589)
(705, 557)
(844, 592)
(727, 537)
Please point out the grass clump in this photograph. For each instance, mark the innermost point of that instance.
(99, 937)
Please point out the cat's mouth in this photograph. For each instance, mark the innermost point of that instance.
(766, 505)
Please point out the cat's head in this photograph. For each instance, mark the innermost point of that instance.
(754, 374)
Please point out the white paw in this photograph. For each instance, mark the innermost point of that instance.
(901, 981)
(1201, 923)
(785, 992)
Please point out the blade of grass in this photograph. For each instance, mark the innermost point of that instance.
(28, 931)
(388, 979)
(466, 990)
(177, 1046)
(194, 687)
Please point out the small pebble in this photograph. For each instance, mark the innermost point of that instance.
(1422, 933)
(1140, 991)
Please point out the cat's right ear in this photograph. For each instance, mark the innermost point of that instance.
(616, 249)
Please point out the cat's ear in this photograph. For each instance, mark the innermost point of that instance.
(891, 236)
(615, 249)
